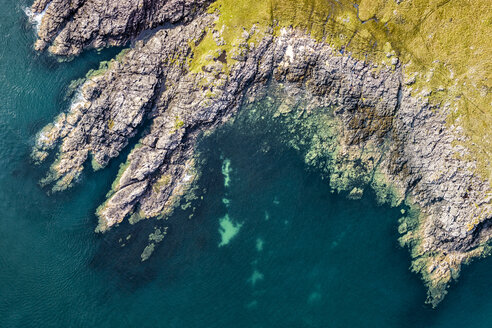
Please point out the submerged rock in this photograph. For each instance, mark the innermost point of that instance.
(356, 193)
(366, 127)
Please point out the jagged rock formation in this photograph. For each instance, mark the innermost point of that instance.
(386, 137)
(72, 26)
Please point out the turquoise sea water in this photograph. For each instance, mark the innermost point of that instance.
(284, 251)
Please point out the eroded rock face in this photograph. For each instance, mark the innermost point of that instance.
(385, 137)
(69, 27)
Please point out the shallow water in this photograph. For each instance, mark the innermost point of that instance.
(297, 255)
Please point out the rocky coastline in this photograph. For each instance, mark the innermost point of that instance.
(375, 131)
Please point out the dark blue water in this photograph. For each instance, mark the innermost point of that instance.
(301, 256)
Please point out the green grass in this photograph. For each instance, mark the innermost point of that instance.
(178, 124)
(446, 44)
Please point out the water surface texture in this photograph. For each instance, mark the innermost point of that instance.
(269, 245)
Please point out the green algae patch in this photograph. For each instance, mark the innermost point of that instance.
(73, 87)
(121, 170)
(147, 252)
(228, 230)
(154, 238)
(121, 55)
(425, 263)
(116, 182)
(256, 276)
(226, 172)
(259, 244)
(325, 143)
(135, 217)
(104, 66)
(96, 166)
(386, 193)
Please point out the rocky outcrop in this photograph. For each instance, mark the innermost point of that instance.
(111, 105)
(386, 137)
(72, 26)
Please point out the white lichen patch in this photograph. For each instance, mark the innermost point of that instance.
(289, 53)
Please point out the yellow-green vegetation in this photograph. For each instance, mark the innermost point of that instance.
(73, 86)
(119, 57)
(121, 170)
(162, 182)
(116, 182)
(445, 45)
(103, 67)
(147, 252)
(95, 164)
(448, 46)
(154, 238)
(178, 123)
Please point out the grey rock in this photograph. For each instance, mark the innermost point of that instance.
(72, 26)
